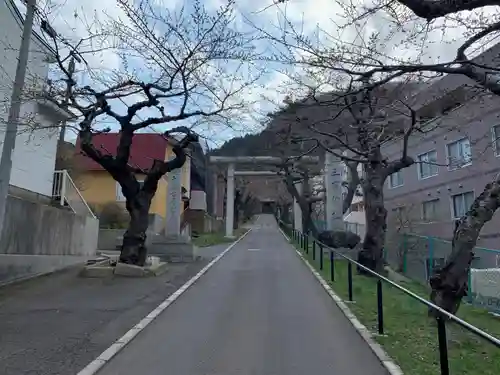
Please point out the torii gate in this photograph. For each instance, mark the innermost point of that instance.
(265, 160)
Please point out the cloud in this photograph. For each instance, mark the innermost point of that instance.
(323, 21)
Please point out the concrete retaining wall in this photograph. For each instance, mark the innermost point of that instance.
(19, 267)
(37, 239)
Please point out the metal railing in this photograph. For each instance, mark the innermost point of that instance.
(318, 251)
(65, 191)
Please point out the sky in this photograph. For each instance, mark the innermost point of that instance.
(315, 19)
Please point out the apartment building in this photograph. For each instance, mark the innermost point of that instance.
(354, 218)
(457, 156)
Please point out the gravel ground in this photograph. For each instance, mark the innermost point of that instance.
(57, 324)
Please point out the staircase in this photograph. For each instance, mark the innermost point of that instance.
(65, 192)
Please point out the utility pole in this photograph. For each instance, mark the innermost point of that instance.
(14, 110)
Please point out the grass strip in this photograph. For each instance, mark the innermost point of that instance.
(410, 336)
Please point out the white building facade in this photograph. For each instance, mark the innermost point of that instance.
(34, 156)
(354, 218)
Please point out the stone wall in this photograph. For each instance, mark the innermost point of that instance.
(37, 239)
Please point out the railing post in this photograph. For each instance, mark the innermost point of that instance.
(64, 181)
(306, 243)
(321, 257)
(349, 280)
(443, 346)
(314, 252)
(332, 266)
(380, 308)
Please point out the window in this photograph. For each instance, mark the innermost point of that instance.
(119, 193)
(396, 179)
(461, 204)
(425, 169)
(459, 154)
(496, 139)
(430, 210)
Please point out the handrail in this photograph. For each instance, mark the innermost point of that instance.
(62, 181)
(454, 318)
(79, 194)
(441, 326)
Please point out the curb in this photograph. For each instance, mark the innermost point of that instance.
(365, 334)
(94, 366)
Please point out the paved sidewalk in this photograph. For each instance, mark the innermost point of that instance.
(259, 311)
(57, 324)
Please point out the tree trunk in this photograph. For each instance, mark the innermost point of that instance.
(450, 283)
(307, 223)
(371, 255)
(284, 210)
(133, 249)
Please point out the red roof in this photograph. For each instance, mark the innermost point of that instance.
(146, 147)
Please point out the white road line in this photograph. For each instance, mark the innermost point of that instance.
(389, 364)
(94, 366)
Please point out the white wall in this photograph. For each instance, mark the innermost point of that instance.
(35, 152)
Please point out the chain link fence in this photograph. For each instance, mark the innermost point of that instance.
(418, 256)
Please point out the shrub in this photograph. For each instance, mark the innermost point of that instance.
(113, 216)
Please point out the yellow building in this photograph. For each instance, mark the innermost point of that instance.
(99, 188)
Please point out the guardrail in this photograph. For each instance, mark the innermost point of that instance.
(318, 251)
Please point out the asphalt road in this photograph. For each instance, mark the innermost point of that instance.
(259, 311)
(57, 324)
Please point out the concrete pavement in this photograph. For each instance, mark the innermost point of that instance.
(258, 311)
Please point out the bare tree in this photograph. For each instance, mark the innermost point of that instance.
(359, 122)
(184, 78)
(292, 144)
(450, 283)
(367, 57)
